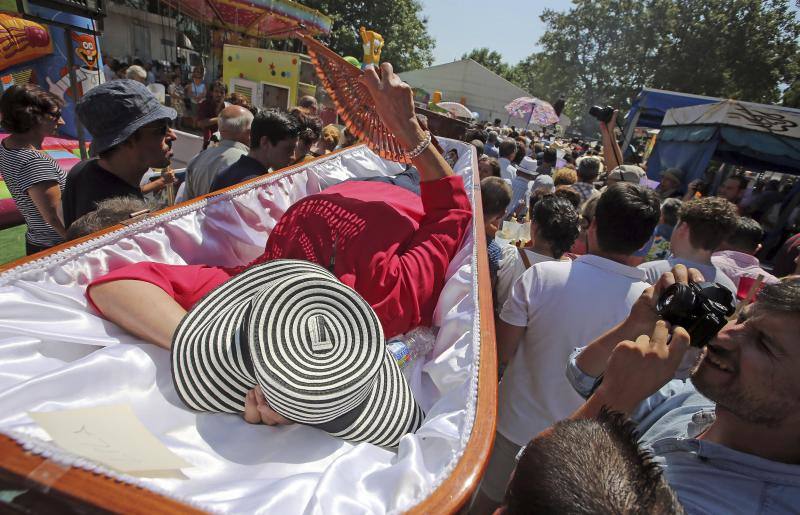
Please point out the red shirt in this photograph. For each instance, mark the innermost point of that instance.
(392, 246)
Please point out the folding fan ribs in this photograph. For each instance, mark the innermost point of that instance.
(353, 101)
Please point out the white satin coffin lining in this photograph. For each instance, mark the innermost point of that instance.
(55, 354)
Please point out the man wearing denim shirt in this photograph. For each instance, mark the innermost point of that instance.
(728, 438)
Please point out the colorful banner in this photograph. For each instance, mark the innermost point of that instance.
(47, 64)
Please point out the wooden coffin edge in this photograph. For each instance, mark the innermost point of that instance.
(450, 496)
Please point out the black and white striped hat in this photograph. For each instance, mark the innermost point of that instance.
(314, 346)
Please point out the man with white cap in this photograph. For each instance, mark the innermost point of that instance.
(520, 184)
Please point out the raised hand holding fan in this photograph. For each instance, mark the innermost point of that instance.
(354, 104)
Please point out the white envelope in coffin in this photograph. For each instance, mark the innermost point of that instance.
(55, 354)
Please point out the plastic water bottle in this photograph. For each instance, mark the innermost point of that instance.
(406, 348)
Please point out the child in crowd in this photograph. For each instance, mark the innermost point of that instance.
(495, 195)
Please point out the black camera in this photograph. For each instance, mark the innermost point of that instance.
(700, 308)
(603, 114)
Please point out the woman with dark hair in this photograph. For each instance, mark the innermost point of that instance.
(554, 228)
(310, 132)
(34, 178)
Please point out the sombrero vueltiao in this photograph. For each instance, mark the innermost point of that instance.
(313, 345)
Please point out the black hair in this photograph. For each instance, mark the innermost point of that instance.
(557, 222)
(746, 236)
(309, 126)
(589, 466)
(710, 219)
(520, 153)
(507, 147)
(25, 106)
(476, 133)
(626, 216)
(741, 179)
(273, 124)
(588, 169)
(550, 156)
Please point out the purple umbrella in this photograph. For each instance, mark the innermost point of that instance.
(533, 110)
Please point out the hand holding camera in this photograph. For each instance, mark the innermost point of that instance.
(682, 298)
(638, 369)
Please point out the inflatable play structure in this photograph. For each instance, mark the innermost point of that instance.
(62, 56)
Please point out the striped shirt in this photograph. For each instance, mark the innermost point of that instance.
(22, 168)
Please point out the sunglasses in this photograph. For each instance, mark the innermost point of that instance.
(160, 128)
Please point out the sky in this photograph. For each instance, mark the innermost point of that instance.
(511, 27)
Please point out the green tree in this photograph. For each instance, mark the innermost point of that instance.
(739, 49)
(491, 60)
(405, 31)
(603, 51)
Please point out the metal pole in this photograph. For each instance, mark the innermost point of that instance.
(629, 130)
(74, 88)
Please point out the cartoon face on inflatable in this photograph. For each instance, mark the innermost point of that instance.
(86, 49)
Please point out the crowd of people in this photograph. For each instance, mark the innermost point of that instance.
(603, 244)
(603, 407)
(131, 150)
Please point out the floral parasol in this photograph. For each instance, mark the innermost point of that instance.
(533, 110)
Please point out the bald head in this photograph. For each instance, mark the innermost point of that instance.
(234, 124)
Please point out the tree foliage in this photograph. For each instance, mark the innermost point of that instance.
(405, 31)
(491, 60)
(603, 51)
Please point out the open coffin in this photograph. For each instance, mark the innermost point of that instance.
(56, 354)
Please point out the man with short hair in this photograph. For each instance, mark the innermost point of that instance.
(588, 466)
(554, 307)
(131, 132)
(490, 148)
(733, 188)
(726, 438)
(526, 172)
(736, 256)
(507, 150)
(273, 136)
(588, 170)
(549, 160)
(234, 128)
(702, 227)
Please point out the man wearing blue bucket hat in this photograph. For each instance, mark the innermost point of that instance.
(131, 133)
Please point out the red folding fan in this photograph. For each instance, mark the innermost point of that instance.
(353, 102)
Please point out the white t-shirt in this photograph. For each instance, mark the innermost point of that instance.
(564, 305)
(654, 269)
(512, 268)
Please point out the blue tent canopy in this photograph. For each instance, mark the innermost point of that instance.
(757, 136)
(650, 106)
